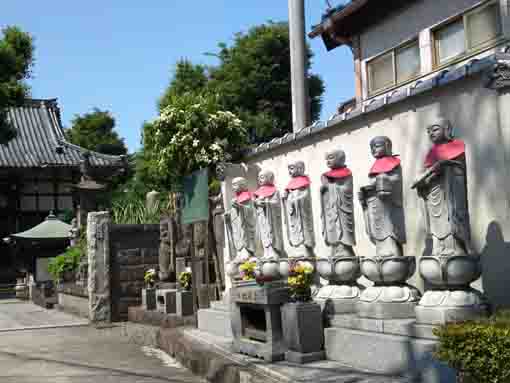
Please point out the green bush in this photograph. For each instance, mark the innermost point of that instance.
(479, 349)
(131, 210)
(67, 261)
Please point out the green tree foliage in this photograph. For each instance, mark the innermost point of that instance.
(192, 132)
(95, 131)
(188, 77)
(16, 61)
(254, 81)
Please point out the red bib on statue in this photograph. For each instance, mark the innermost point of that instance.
(265, 191)
(298, 183)
(244, 196)
(384, 165)
(447, 151)
(338, 173)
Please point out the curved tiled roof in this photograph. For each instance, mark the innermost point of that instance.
(40, 140)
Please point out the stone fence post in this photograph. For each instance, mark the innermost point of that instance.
(98, 249)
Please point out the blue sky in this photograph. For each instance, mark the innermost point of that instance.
(119, 55)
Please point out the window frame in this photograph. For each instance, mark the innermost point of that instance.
(393, 52)
(436, 64)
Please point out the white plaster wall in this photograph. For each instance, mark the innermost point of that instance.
(407, 23)
(481, 117)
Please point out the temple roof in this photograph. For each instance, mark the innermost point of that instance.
(51, 228)
(40, 140)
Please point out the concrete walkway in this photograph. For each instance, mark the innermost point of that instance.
(22, 315)
(74, 353)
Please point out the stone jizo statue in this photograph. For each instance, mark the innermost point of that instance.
(297, 205)
(382, 200)
(452, 265)
(241, 221)
(442, 186)
(269, 216)
(341, 268)
(337, 212)
(390, 297)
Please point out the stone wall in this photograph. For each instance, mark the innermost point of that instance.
(134, 250)
(480, 116)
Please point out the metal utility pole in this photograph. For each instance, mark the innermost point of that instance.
(300, 98)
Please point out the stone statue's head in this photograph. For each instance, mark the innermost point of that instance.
(296, 169)
(239, 184)
(335, 159)
(74, 223)
(440, 131)
(381, 146)
(163, 229)
(266, 177)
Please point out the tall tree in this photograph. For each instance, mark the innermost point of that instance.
(188, 77)
(254, 80)
(95, 131)
(16, 61)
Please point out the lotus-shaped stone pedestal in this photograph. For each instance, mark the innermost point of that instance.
(390, 297)
(268, 270)
(342, 293)
(450, 298)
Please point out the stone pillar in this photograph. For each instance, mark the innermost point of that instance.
(98, 249)
(300, 100)
(152, 199)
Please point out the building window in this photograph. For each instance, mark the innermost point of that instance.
(394, 67)
(473, 31)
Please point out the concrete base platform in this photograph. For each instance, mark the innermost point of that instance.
(210, 357)
(215, 320)
(157, 318)
(441, 315)
(383, 310)
(299, 358)
(386, 346)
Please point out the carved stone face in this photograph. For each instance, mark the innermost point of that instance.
(296, 169)
(265, 177)
(239, 184)
(335, 159)
(380, 147)
(163, 230)
(439, 132)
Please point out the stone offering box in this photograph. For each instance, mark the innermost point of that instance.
(166, 300)
(303, 332)
(257, 319)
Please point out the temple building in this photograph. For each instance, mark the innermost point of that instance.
(39, 170)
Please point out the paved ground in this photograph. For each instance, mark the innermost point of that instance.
(79, 354)
(15, 314)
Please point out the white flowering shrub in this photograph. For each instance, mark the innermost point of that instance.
(191, 133)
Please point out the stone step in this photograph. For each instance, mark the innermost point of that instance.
(211, 357)
(220, 306)
(216, 322)
(404, 327)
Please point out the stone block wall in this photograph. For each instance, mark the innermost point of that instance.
(134, 250)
